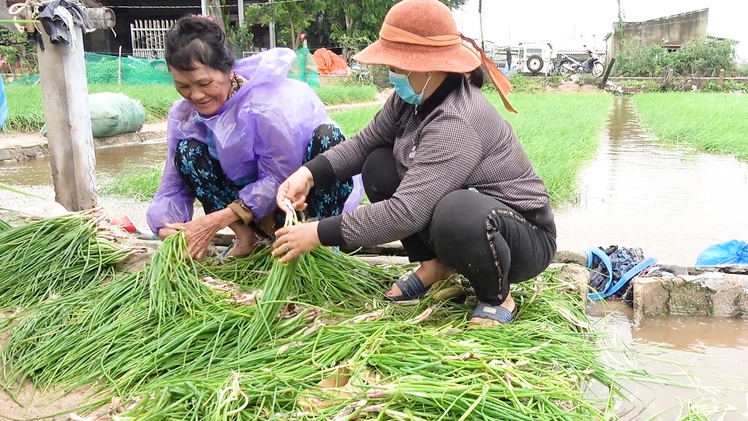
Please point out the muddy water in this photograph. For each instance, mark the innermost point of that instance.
(34, 176)
(637, 192)
(693, 359)
(109, 162)
(671, 202)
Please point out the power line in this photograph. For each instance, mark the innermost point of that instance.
(193, 6)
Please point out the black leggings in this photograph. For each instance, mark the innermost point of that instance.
(481, 238)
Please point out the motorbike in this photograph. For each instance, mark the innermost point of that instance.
(567, 65)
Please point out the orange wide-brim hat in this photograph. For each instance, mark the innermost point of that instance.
(422, 36)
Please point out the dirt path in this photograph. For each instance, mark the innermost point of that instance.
(36, 405)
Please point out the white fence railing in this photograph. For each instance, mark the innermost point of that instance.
(148, 37)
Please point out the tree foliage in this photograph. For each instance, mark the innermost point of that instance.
(701, 57)
(704, 57)
(15, 49)
(292, 18)
(637, 59)
(351, 24)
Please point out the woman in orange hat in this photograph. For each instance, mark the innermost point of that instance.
(443, 170)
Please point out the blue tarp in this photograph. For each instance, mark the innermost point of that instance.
(732, 252)
(3, 103)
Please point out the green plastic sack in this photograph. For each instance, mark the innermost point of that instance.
(113, 114)
(304, 68)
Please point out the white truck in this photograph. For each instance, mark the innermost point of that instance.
(537, 58)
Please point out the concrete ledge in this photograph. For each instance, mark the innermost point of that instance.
(576, 276)
(712, 293)
(129, 138)
(20, 146)
(18, 153)
(706, 291)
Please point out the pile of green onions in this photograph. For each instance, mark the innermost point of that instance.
(172, 341)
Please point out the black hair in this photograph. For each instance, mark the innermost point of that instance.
(477, 77)
(198, 39)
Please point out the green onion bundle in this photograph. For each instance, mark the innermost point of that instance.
(173, 282)
(274, 295)
(54, 257)
(324, 278)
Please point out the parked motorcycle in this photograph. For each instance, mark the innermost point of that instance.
(567, 65)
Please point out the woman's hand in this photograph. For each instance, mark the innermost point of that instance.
(199, 233)
(296, 188)
(165, 232)
(294, 240)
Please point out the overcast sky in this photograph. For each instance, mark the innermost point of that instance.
(572, 23)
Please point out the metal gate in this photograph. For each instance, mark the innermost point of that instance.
(148, 37)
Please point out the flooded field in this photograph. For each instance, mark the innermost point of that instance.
(638, 192)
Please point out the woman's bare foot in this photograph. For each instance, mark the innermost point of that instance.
(245, 240)
(430, 272)
(508, 304)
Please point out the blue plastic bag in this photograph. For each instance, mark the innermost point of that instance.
(733, 252)
(3, 104)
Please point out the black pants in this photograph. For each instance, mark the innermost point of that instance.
(481, 238)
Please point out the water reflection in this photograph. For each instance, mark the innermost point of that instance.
(694, 333)
(109, 163)
(640, 192)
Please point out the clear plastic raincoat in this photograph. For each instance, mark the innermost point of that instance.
(260, 134)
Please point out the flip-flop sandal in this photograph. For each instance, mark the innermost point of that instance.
(496, 313)
(411, 288)
(226, 253)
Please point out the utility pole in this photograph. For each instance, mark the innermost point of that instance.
(271, 30)
(204, 7)
(240, 5)
(480, 18)
(620, 12)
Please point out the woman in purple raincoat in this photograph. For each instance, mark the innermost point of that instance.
(241, 129)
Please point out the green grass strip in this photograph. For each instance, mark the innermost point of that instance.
(560, 133)
(711, 122)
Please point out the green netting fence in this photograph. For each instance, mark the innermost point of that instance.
(107, 69)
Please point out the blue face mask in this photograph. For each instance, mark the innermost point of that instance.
(404, 90)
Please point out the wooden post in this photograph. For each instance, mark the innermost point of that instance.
(668, 83)
(68, 118)
(607, 73)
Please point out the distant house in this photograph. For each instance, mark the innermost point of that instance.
(672, 32)
(141, 24)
